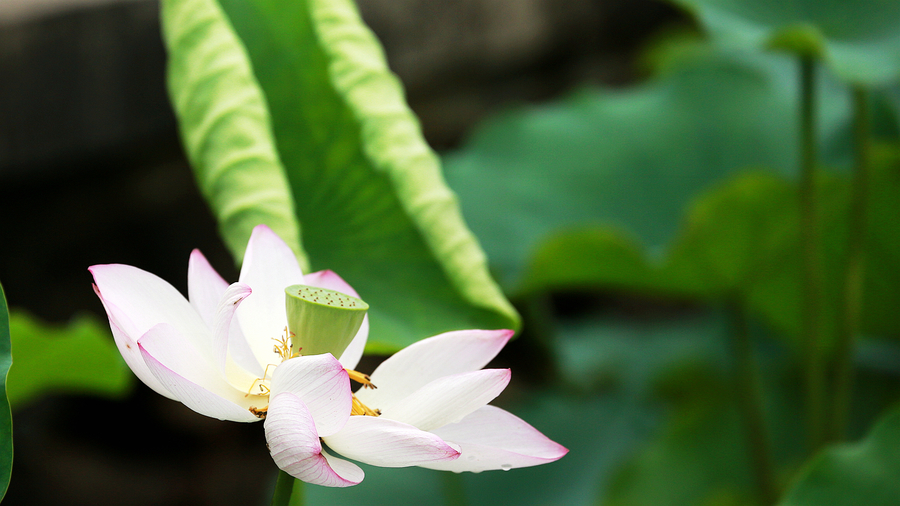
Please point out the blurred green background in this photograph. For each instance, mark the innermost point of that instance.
(631, 175)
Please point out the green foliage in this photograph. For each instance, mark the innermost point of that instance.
(632, 160)
(78, 358)
(859, 40)
(742, 239)
(867, 472)
(347, 151)
(225, 125)
(6, 435)
(699, 458)
(593, 257)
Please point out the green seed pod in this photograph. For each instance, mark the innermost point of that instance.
(322, 320)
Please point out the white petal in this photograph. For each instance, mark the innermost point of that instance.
(432, 358)
(491, 438)
(128, 347)
(321, 382)
(190, 377)
(148, 300)
(448, 399)
(389, 443)
(346, 470)
(205, 287)
(330, 280)
(295, 447)
(231, 351)
(269, 267)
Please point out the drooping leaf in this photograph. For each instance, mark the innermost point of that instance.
(225, 125)
(6, 435)
(78, 358)
(369, 192)
(630, 159)
(859, 40)
(867, 472)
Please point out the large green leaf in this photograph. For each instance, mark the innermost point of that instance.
(78, 358)
(6, 436)
(867, 472)
(630, 159)
(225, 125)
(369, 192)
(859, 40)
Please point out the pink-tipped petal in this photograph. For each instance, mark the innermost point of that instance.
(330, 280)
(296, 449)
(228, 340)
(148, 300)
(491, 438)
(190, 377)
(321, 382)
(448, 399)
(432, 358)
(128, 347)
(388, 443)
(205, 287)
(269, 267)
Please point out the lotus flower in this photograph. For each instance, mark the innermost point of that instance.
(216, 354)
(431, 411)
(227, 354)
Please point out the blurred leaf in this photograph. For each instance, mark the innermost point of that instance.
(225, 125)
(369, 191)
(859, 40)
(881, 297)
(78, 358)
(630, 159)
(776, 293)
(701, 457)
(588, 258)
(631, 353)
(6, 435)
(736, 233)
(867, 472)
(742, 238)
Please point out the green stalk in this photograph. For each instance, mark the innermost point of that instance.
(288, 491)
(812, 280)
(750, 402)
(848, 324)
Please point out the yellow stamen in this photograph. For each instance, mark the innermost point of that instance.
(263, 389)
(259, 413)
(361, 378)
(284, 347)
(361, 409)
